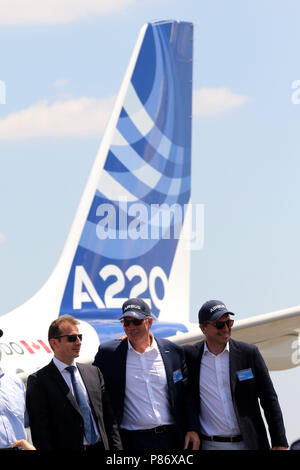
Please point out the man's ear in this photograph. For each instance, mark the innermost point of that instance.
(52, 342)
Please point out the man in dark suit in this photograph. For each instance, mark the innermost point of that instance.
(67, 403)
(146, 379)
(228, 379)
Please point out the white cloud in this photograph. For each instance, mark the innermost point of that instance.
(16, 12)
(75, 117)
(89, 116)
(215, 101)
(2, 238)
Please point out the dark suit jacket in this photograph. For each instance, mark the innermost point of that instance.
(111, 359)
(55, 419)
(246, 394)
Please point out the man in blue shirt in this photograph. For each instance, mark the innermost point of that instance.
(12, 409)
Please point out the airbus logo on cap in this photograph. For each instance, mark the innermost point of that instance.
(217, 307)
(132, 306)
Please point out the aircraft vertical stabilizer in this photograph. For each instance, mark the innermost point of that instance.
(134, 207)
(126, 238)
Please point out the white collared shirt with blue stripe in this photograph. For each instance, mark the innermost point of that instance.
(13, 416)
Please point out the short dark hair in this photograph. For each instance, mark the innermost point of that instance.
(54, 328)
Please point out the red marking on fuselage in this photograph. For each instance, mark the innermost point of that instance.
(29, 349)
(48, 350)
(35, 346)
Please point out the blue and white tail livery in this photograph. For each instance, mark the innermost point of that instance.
(126, 239)
(129, 236)
(139, 191)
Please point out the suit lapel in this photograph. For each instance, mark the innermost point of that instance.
(198, 357)
(195, 379)
(193, 358)
(120, 369)
(122, 350)
(164, 352)
(86, 376)
(89, 383)
(234, 360)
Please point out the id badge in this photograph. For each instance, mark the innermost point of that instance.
(245, 374)
(177, 375)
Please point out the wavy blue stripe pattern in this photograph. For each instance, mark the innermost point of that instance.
(151, 159)
(165, 49)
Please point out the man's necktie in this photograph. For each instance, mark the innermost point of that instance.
(84, 408)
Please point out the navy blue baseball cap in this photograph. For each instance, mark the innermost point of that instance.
(212, 310)
(135, 308)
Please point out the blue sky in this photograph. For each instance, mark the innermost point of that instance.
(62, 64)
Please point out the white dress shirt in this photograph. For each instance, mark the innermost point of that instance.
(12, 410)
(217, 416)
(146, 403)
(62, 367)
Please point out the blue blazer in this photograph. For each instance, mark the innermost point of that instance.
(111, 360)
(246, 394)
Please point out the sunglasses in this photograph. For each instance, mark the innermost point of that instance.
(135, 321)
(220, 324)
(71, 338)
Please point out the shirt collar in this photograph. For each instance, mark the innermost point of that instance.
(206, 350)
(62, 365)
(153, 345)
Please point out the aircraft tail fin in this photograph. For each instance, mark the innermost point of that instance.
(139, 188)
(126, 238)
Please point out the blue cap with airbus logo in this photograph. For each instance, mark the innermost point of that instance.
(135, 308)
(212, 310)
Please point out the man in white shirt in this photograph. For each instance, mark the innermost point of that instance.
(146, 379)
(13, 416)
(229, 380)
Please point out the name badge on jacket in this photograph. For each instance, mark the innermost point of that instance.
(177, 376)
(245, 374)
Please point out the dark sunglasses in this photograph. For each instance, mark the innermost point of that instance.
(135, 321)
(220, 324)
(71, 338)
